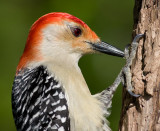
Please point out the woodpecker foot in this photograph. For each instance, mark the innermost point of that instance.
(126, 71)
(124, 76)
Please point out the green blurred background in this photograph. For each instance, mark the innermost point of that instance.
(112, 20)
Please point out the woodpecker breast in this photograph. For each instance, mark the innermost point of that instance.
(39, 102)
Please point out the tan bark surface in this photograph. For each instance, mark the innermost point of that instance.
(142, 114)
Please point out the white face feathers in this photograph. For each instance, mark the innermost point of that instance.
(56, 45)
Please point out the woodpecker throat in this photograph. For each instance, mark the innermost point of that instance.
(38, 101)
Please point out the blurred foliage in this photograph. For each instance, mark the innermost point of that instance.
(111, 20)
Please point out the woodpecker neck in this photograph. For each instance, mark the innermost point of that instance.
(68, 72)
(85, 110)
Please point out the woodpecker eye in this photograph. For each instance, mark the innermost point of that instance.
(76, 31)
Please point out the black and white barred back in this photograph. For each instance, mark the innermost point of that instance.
(38, 102)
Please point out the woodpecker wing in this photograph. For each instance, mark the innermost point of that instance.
(38, 101)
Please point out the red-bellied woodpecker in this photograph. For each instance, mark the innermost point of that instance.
(49, 91)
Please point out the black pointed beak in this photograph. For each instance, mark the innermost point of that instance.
(107, 49)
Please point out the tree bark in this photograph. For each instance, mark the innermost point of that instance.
(143, 113)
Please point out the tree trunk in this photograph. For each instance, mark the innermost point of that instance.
(142, 114)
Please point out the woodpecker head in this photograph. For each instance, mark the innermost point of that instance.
(59, 37)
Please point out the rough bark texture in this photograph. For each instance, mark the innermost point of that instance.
(142, 114)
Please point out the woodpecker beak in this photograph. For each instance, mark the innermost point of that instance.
(107, 49)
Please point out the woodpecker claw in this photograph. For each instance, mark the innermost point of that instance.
(137, 37)
(132, 94)
(129, 59)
